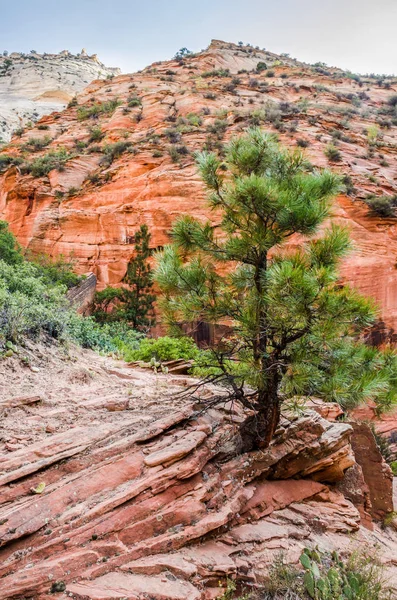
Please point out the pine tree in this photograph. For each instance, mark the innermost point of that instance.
(291, 319)
(134, 303)
(138, 298)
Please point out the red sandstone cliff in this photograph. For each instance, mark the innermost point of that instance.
(95, 222)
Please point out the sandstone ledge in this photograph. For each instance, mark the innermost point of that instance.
(170, 509)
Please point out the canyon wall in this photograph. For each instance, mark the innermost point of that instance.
(91, 209)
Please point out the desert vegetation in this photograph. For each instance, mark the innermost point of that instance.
(97, 109)
(383, 206)
(33, 303)
(42, 165)
(322, 576)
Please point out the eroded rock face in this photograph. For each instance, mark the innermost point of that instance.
(377, 473)
(156, 501)
(33, 85)
(82, 295)
(96, 222)
(385, 424)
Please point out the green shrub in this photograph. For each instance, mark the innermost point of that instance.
(7, 160)
(173, 135)
(164, 349)
(332, 153)
(36, 144)
(113, 151)
(218, 128)
(116, 337)
(73, 102)
(176, 152)
(349, 185)
(302, 143)
(134, 101)
(28, 305)
(328, 577)
(216, 73)
(96, 134)
(41, 166)
(261, 66)
(56, 271)
(10, 251)
(97, 109)
(392, 100)
(325, 577)
(80, 145)
(383, 206)
(194, 119)
(230, 592)
(33, 302)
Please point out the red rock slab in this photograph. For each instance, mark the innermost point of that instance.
(274, 495)
(329, 511)
(265, 530)
(176, 451)
(157, 480)
(34, 514)
(169, 541)
(212, 558)
(74, 173)
(162, 425)
(44, 453)
(114, 586)
(32, 580)
(312, 447)
(328, 410)
(19, 401)
(153, 565)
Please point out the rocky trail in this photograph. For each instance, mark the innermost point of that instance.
(113, 485)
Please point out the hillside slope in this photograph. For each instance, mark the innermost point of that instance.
(114, 485)
(159, 117)
(33, 85)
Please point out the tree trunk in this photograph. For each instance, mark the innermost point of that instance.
(258, 430)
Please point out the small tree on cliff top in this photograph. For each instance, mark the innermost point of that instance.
(291, 319)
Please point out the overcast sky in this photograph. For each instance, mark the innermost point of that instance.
(360, 35)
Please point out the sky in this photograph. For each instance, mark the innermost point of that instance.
(359, 35)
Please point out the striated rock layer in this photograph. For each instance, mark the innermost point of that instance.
(120, 488)
(33, 85)
(91, 210)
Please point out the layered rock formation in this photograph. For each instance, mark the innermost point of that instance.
(91, 210)
(114, 485)
(33, 85)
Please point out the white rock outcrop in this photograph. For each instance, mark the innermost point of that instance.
(33, 85)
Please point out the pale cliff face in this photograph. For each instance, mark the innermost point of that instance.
(33, 85)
